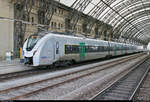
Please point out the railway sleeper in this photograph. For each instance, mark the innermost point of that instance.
(118, 95)
(122, 89)
(108, 97)
(126, 86)
(121, 92)
(127, 83)
(145, 93)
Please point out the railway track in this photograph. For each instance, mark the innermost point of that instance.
(126, 87)
(36, 71)
(22, 74)
(143, 92)
(25, 90)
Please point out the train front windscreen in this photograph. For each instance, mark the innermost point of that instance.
(33, 39)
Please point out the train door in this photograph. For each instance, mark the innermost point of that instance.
(125, 49)
(50, 50)
(56, 50)
(122, 49)
(115, 49)
(82, 51)
(109, 48)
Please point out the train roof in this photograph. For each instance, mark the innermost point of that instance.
(71, 35)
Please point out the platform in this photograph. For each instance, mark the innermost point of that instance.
(4, 63)
(12, 66)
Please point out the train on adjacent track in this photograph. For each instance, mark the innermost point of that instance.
(47, 48)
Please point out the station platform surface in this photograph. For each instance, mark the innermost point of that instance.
(10, 63)
(12, 66)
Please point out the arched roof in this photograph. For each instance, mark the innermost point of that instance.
(130, 18)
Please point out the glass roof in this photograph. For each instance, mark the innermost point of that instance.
(127, 16)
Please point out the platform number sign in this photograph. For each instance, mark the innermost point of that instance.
(82, 51)
(57, 47)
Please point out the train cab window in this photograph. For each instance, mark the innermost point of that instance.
(33, 39)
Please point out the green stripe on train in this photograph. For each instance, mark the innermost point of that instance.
(82, 51)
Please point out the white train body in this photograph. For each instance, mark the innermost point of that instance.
(51, 48)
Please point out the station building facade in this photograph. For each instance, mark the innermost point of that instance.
(6, 28)
(11, 31)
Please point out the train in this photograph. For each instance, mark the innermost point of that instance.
(49, 48)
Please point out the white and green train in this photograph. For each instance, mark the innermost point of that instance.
(46, 49)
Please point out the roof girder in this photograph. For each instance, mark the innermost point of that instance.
(116, 24)
(122, 8)
(124, 26)
(126, 11)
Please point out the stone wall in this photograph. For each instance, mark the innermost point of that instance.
(6, 28)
